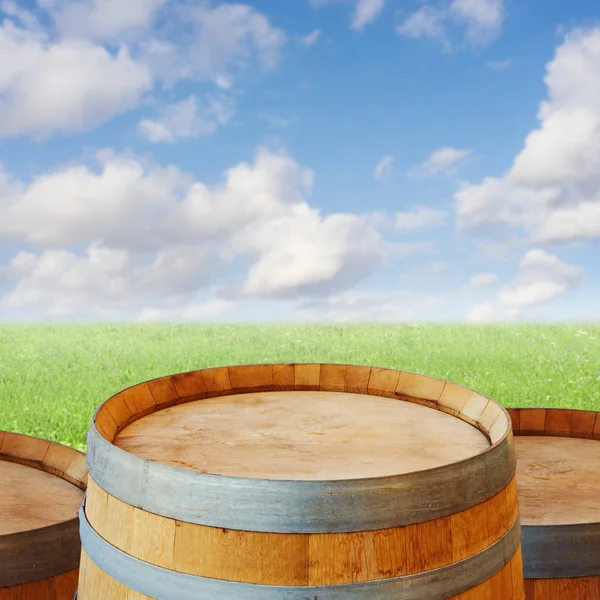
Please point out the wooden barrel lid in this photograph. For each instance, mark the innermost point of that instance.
(302, 448)
(31, 498)
(558, 486)
(558, 480)
(41, 488)
(302, 435)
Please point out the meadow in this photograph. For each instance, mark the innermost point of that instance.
(52, 377)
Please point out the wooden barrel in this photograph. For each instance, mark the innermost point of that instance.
(288, 482)
(41, 489)
(558, 483)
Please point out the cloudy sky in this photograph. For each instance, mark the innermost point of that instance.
(300, 160)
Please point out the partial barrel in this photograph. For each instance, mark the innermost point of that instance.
(41, 489)
(296, 481)
(558, 483)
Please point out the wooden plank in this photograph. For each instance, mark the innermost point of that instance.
(532, 421)
(383, 382)
(558, 422)
(356, 380)
(582, 424)
(283, 377)
(190, 385)
(307, 376)
(164, 392)
(332, 378)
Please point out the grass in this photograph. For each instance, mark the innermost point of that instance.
(53, 377)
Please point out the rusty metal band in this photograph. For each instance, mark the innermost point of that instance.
(28, 556)
(299, 506)
(561, 551)
(165, 584)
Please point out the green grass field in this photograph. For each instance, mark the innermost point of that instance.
(53, 377)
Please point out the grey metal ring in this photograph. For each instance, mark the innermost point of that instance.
(299, 506)
(561, 551)
(165, 584)
(28, 556)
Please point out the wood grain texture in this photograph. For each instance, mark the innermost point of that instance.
(60, 587)
(581, 588)
(31, 499)
(302, 435)
(264, 421)
(41, 488)
(300, 559)
(506, 584)
(558, 481)
(142, 399)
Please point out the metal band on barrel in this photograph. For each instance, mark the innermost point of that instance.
(28, 556)
(299, 506)
(164, 584)
(561, 551)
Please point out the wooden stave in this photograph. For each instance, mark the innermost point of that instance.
(517, 590)
(164, 584)
(43, 553)
(554, 554)
(149, 485)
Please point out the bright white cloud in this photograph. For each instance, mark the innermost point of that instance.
(541, 277)
(153, 233)
(552, 190)
(482, 21)
(67, 85)
(188, 118)
(419, 217)
(384, 167)
(100, 19)
(443, 160)
(366, 12)
(311, 38)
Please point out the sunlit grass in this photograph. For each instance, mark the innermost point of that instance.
(53, 377)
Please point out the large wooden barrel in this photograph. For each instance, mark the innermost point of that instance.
(558, 483)
(41, 489)
(305, 481)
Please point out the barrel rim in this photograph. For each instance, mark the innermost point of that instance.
(303, 506)
(565, 550)
(42, 552)
(166, 584)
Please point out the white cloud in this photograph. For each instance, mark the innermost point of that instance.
(481, 19)
(153, 234)
(196, 311)
(481, 282)
(365, 306)
(212, 42)
(500, 65)
(188, 118)
(443, 160)
(366, 12)
(541, 277)
(312, 38)
(100, 19)
(419, 217)
(67, 85)
(427, 22)
(552, 190)
(107, 278)
(384, 167)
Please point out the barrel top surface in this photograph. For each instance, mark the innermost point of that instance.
(558, 480)
(302, 435)
(31, 498)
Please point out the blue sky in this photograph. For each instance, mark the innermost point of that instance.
(300, 160)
